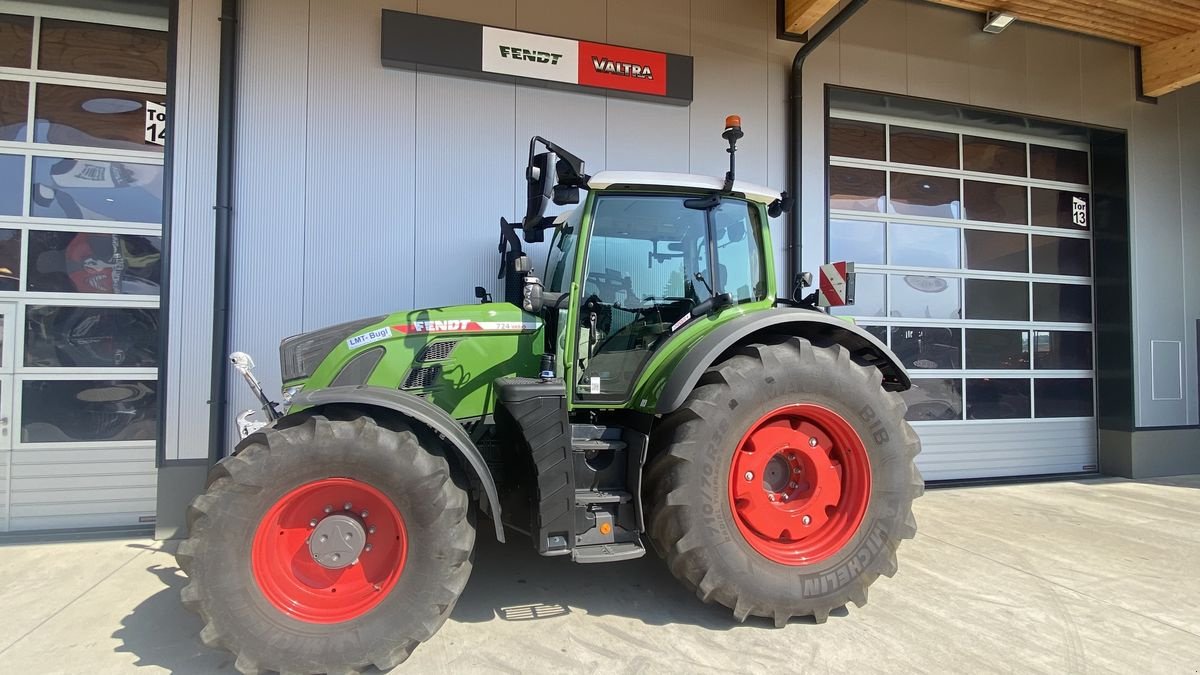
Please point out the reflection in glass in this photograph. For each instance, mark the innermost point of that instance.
(927, 347)
(855, 189)
(856, 240)
(869, 299)
(990, 155)
(93, 117)
(1059, 255)
(996, 251)
(94, 262)
(994, 202)
(880, 332)
(1058, 164)
(1062, 350)
(924, 245)
(997, 399)
(993, 349)
(1062, 302)
(933, 399)
(14, 102)
(63, 411)
(102, 49)
(997, 300)
(1063, 397)
(16, 40)
(96, 190)
(96, 337)
(932, 196)
(10, 260)
(924, 297)
(12, 184)
(851, 138)
(1057, 208)
(924, 147)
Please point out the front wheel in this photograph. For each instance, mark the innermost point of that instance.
(327, 545)
(786, 482)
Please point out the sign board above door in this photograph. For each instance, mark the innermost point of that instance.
(476, 50)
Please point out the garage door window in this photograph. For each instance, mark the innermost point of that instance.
(974, 256)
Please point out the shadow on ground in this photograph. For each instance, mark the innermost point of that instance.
(510, 582)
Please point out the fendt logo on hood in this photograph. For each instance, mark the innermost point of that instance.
(523, 54)
(606, 65)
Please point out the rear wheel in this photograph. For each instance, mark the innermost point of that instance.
(786, 482)
(327, 545)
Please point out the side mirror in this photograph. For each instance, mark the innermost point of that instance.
(540, 180)
(565, 195)
(482, 295)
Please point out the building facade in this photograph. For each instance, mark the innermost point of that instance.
(1021, 220)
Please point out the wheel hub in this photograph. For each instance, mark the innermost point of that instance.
(337, 541)
(814, 486)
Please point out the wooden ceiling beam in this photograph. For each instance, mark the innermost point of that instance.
(801, 15)
(1045, 18)
(1161, 11)
(1171, 64)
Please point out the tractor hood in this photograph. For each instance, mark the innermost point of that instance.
(450, 355)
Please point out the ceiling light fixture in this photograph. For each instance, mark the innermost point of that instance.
(997, 21)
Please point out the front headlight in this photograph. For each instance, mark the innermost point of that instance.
(300, 354)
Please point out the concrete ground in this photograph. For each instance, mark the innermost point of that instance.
(1067, 577)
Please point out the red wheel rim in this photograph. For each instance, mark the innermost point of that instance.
(799, 484)
(292, 580)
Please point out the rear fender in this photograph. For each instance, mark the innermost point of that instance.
(421, 412)
(817, 327)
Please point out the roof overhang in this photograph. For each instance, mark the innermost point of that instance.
(1166, 31)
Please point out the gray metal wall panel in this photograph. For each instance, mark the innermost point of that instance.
(1189, 179)
(464, 182)
(579, 19)
(1107, 82)
(731, 55)
(664, 25)
(874, 47)
(1158, 263)
(270, 169)
(998, 67)
(360, 161)
(193, 195)
(939, 66)
(1052, 73)
(501, 13)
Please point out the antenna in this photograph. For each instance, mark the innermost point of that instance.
(733, 131)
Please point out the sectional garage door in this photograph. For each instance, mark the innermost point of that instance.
(974, 254)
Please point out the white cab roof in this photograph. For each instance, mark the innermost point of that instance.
(605, 179)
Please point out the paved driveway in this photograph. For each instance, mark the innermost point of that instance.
(1067, 577)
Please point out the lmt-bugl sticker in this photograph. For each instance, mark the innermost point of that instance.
(367, 338)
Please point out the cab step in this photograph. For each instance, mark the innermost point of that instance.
(612, 552)
(585, 497)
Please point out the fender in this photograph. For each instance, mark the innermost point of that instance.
(422, 411)
(809, 324)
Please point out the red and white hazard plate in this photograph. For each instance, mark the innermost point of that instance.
(836, 285)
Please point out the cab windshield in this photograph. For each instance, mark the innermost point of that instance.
(650, 260)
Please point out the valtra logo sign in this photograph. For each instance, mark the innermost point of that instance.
(623, 68)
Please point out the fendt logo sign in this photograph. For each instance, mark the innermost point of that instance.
(493, 53)
(541, 57)
(522, 54)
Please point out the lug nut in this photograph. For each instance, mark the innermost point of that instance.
(371, 530)
(349, 506)
(806, 520)
(378, 587)
(812, 442)
(312, 523)
(749, 475)
(771, 497)
(368, 547)
(364, 513)
(783, 496)
(328, 509)
(337, 557)
(324, 538)
(792, 485)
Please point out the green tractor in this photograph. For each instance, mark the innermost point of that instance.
(653, 389)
